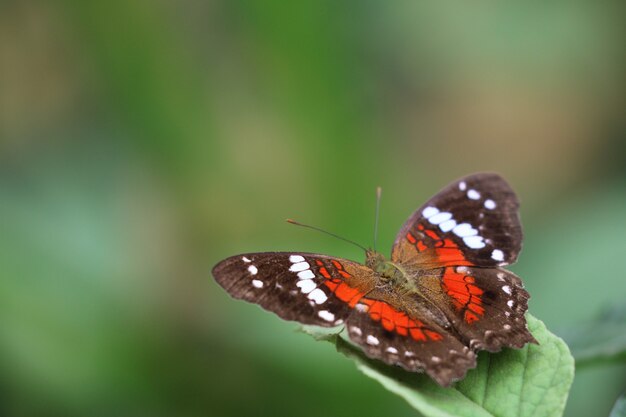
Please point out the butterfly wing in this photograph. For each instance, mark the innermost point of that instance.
(473, 221)
(406, 338)
(320, 290)
(460, 301)
(452, 247)
(308, 288)
(485, 306)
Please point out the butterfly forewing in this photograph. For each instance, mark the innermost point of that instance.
(308, 288)
(473, 221)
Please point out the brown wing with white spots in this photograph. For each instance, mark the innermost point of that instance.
(415, 343)
(485, 306)
(308, 288)
(473, 221)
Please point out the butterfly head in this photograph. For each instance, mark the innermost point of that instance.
(378, 262)
(374, 259)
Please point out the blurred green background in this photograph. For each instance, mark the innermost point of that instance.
(143, 141)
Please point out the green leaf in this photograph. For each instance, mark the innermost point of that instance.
(619, 409)
(600, 340)
(533, 381)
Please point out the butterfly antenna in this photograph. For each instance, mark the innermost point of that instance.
(328, 233)
(379, 192)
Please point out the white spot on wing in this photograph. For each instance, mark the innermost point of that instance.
(257, 283)
(392, 350)
(253, 269)
(490, 204)
(473, 194)
(440, 217)
(510, 303)
(497, 255)
(464, 230)
(507, 289)
(462, 186)
(246, 260)
(326, 315)
(447, 225)
(408, 354)
(436, 359)
(300, 266)
(362, 308)
(306, 285)
(507, 327)
(461, 269)
(430, 211)
(296, 258)
(318, 296)
(357, 331)
(474, 242)
(371, 340)
(306, 274)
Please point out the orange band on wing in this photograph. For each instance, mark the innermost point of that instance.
(465, 294)
(390, 318)
(449, 252)
(324, 272)
(341, 290)
(398, 321)
(445, 251)
(432, 235)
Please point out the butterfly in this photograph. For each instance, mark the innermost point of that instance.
(442, 296)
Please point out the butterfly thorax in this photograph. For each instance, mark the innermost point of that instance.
(388, 271)
(396, 287)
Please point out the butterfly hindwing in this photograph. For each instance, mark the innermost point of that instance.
(308, 288)
(416, 344)
(473, 221)
(485, 306)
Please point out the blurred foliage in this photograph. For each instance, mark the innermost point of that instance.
(619, 410)
(608, 342)
(143, 141)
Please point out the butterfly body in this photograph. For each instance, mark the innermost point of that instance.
(403, 288)
(386, 270)
(441, 296)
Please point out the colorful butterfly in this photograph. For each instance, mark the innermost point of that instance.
(442, 296)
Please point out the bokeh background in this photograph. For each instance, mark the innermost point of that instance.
(143, 141)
